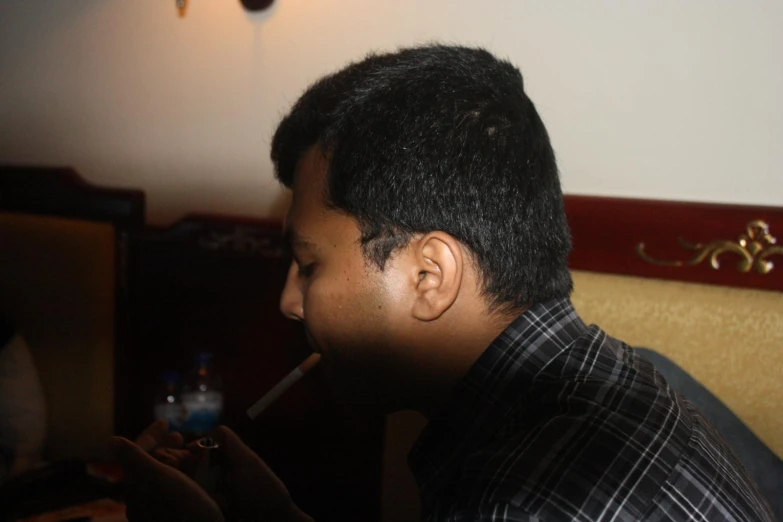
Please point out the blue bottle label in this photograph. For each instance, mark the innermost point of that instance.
(203, 411)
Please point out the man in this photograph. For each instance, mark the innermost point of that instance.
(430, 269)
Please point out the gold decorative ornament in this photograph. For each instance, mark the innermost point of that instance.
(754, 247)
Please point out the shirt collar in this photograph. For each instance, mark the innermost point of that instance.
(494, 385)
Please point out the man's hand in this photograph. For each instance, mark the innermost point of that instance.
(167, 447)
(251, 490)
(155, 491)
(247, 488)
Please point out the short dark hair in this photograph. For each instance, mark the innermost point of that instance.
(439, 138)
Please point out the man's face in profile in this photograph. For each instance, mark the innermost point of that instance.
(352, 311)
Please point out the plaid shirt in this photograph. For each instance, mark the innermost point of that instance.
(558, 421)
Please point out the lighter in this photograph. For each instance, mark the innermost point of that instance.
(207, 470)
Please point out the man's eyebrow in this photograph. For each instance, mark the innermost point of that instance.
(294, 239)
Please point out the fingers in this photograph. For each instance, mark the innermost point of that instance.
(154, 435)
(171, 450)
(154, 491)
(133, 459)
(171, 457)
(251, 477)
(164, 446)
(173, 440)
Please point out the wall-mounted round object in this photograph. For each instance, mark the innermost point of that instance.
(256, 5)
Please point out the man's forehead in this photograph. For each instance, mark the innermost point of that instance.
(311, 169)
(295, 226)
(309, 219)
(308, 191)
(314, 228)
(303, 212)
(295, 237)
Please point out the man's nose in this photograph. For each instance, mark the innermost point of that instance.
(291, 302)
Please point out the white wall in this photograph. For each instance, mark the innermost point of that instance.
(660, 99)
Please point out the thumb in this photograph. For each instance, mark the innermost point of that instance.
(253, 490)
(130, 456)
(232, 447)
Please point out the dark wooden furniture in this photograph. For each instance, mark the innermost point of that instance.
(59, 235)
(60, 191)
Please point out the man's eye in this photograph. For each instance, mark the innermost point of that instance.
(307, 270)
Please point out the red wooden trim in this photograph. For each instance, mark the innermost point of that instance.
(270, 225)
(607, 232)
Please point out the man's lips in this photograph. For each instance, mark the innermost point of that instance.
(311, 341)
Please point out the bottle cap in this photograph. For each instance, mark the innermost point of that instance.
(171, 376)
(204, 357)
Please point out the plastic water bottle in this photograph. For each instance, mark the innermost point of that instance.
(202, 398)
(168, 403)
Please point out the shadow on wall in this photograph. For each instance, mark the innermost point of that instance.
(260, 200)
(118, 110)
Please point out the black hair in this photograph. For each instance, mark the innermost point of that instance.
(439, 138)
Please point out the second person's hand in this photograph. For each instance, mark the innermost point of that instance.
(248, 489)
(155, 491)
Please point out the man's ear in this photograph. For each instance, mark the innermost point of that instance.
(439, 266)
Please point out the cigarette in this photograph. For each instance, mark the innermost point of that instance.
(280, 388)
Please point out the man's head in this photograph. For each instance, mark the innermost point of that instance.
(425, 180)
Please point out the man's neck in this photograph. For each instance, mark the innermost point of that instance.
(444, 362)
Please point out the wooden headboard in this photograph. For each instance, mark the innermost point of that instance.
(727, 245)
